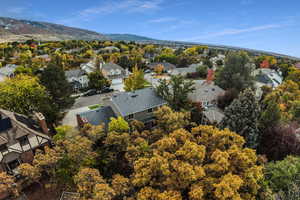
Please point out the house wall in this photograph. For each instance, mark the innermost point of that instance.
(142, 116)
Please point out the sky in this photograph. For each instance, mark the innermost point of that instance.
(272, 25)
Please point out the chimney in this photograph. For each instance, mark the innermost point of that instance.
(42, 121)
(210, 76)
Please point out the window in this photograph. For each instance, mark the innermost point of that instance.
(130, 116)
(150, 110)
(23, 141)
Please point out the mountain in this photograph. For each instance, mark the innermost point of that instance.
(128, 37)
(21, 30)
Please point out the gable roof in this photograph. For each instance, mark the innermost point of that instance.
(98, 116)
(14, 126)
(74, 73)
(213, 114)
(8, 69)
(110, 66)
(205, 92)
(133, 102)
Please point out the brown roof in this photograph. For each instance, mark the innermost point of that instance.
(17, 125)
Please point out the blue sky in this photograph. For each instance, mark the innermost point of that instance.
(272, 25)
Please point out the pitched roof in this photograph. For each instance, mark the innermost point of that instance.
(205, 92)
(14, 126)
(74, 73)
(214, 114)
(98, 116)
(110, 66)
(140, 100)
(167, 66)
(8, 69)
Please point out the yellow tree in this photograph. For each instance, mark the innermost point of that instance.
(8, 185)
(159, 69)
(136, 80)
(206, 163)
(33, 173)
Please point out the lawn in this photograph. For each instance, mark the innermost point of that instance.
(93, 107)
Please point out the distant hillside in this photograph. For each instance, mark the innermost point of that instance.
(21, 30)
(128, 37)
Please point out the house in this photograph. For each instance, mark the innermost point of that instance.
(207, 94)
(20, 137)
(137, 105)
(185, 70)
(297, 65)
(96, 117)
(110, 49)
(7, 71)
(266, 77)
(77, 78)
(44, 57)
(113, 72)
(167, 66)
(88, 67)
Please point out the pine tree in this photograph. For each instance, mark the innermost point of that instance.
(54, 79)
(242, 117)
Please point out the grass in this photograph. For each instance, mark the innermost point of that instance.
(93, 107)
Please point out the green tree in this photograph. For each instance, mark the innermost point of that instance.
(136, 80)
(236, 72)
(118, 125)
(281, 175)
(202, 71)
(97, 80)
(242, 117)
(25, 95)
(176, 92)
(54, 79)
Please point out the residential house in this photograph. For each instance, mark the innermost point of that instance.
(20, 136)
(266, 77)
(44, 57)
(7, 71)
(110, 49)
(113, 72)
(137, 105)
(167, 66)
(207, 94)
(77, 78)
(88, 67)
(185, 70)
(96, 116)
(297, 65)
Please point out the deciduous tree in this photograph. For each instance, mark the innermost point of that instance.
(136, 80)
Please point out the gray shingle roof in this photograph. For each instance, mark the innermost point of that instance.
(214, 114)
(133, 102)
(205, 92)
(98, 116)
(74, 73)
(8, 69)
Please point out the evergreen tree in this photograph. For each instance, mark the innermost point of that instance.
(54, 79)
(97, 80)
(176, 92)
(242, 117)
(236, 73)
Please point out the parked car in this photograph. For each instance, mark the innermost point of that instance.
(147, 71)
(90, 93)
(107, 90)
